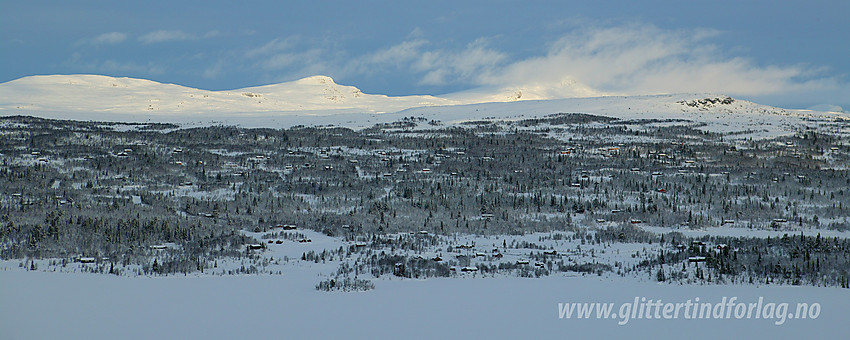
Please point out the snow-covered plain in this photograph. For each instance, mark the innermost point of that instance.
(747, 232)
(44, 304)
(40, 305)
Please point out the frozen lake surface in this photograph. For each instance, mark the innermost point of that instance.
(38, 305)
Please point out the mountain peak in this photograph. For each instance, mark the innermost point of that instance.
(317, 79)
(96, 93)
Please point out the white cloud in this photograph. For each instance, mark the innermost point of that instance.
(436, 67)
(304, 59)
(629, 59)
(279, 61)
(214, 71)
(626, 59)
(164, 36)
(403, 52)
(116, 67)
(287, 58)
(274, 46)
(636, 59)
(113, 67)
(463, 66)
(109, 38)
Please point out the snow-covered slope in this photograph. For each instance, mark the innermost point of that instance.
(321, 93)
(319, 100)
(94, 93)
(709, 112)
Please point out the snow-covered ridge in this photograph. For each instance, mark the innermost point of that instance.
(318, 100)
(95, 93)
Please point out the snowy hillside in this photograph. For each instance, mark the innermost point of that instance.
(99, 94)
(102, 94)
(711, 112)
(319, 100)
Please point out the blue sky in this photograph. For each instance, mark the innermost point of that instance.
(790, 54)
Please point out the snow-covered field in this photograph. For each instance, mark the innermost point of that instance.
(40, 305)
(43, 304)
(747, 232)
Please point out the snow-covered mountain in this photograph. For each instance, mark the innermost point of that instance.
(94, 93)
(318, 100)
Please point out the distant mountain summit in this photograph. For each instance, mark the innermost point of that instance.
(95, 93)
